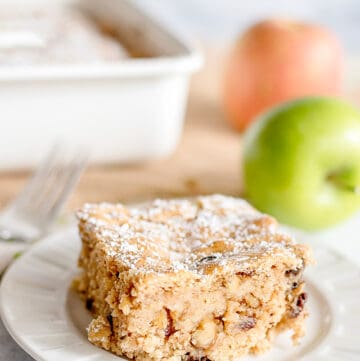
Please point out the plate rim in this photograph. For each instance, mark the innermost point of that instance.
(22, 344)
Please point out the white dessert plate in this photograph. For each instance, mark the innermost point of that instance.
(49, 322)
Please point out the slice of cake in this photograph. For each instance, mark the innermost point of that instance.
(207, 278)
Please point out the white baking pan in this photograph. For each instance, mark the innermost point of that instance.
(126, 111)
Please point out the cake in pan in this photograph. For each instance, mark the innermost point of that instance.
(54, 36)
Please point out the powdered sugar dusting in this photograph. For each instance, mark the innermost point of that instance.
(201, 235)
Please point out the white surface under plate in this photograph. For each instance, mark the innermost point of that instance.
(48, 321)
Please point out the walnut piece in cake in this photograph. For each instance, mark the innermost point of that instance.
(207, 278)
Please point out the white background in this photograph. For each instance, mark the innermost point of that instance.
(218, 21)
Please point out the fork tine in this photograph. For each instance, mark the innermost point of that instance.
(50, 203)
(68, 186)
(50, 186)
(32, 212)
(33, 186)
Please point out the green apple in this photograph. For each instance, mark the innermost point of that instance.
(302, 162)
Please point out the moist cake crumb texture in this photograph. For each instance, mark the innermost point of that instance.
(207, 278)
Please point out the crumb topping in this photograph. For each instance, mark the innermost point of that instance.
(202, 234)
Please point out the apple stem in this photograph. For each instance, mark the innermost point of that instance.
(341, 183)
(352, 189)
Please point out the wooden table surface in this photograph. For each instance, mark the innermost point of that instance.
(207, 160)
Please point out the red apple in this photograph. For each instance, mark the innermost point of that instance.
(279, 60)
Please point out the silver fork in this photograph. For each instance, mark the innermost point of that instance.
(33, 211)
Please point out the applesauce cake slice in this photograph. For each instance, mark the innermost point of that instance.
(207, 278)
